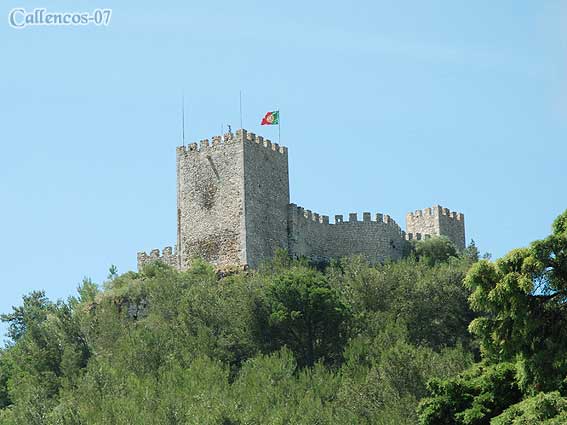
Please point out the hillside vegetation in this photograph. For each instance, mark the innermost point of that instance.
(289, 343)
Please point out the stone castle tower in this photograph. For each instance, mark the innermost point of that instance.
(233, 209)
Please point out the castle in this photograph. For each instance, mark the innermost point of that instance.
(233, 208)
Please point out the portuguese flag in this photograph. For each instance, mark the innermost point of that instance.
(271, 118)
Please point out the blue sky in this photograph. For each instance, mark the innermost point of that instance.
(385, 107)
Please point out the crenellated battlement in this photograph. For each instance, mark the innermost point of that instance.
(438, 220)
(367, 218)
(301, 213)
(259, 140)
(167, 256)
(231, 138)
(375, 236)
(435, 211)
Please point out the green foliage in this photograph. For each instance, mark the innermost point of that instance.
(544, 408)
(303, 312)
(288, 343)
(270, 389)
(429, 299)
(385, 376)
(434, 250)
(522, 329)
(471, 398)
(5, 373)
(112, 272)
(471, 252)
(88, 291)
(195, 394)
(29, 316)
(522, 298)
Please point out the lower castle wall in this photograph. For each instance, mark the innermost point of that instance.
(306, 236)
(313, 236)
(167, 256)
(377, 238)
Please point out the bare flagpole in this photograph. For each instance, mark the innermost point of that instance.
(279, 129)
(183, 118)
(240, 99)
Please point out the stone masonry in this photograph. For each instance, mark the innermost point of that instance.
(233, 209)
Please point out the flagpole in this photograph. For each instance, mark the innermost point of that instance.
(279, 128)
(183, 118)
(240, 101)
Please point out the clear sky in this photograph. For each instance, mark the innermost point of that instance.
(385, 107)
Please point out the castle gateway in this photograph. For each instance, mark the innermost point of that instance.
(233, 209)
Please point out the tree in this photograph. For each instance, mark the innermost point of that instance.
(112, 272)
(471, 398)
(385, 376)
(303, 312)
(5, 373)
(434, 250)
(31, 314)
(522, 299)
(428, 298)
(471, 252)
(544, 408)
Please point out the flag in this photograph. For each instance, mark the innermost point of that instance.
(271, 118)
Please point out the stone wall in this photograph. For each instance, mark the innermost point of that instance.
(232, 196)
(452, 225)
(167, 256)
(211, 202)
(308, 233)
(266, 194)
(437, 221)
(376, 238)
